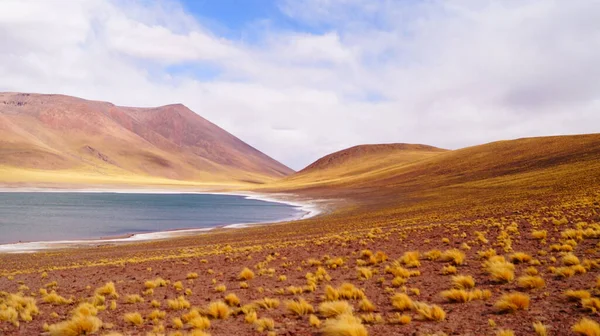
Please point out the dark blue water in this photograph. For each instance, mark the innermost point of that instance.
(26, 216)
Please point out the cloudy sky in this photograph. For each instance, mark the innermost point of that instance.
(299, 79)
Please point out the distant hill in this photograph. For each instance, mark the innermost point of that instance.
(359, 162)
(63, 139)
(499, 170)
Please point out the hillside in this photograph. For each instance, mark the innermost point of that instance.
(56, 138)
(530, 163)
(360, 162)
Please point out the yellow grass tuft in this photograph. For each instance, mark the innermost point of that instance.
(246, 274)
(232, 300)
(199, 322)
(350, 292)
(157, 315)
(77, 325)
(455, 256)
(540, 329)
(133, 298)
(410, 259)
(512, 302)
(220, 288)
(505, 332)
(178, 304)
(264, 324)
(463, 281)
(158, 282)
(56, 299)
(398, 318)
(577, 295)
(586, 327)
(108, 290)
(134, 318)
(539, 234)
(402, 302)
(218, 310)
(268, 303)
(364, 273)
(499, 269)
(429, 312)
(192, 275)
(177, 323)
(530, 282)
(314, 321)
(344, 325)
(178, 286)
(250, 317)
(570, 259)
(433, 254)
(449, 270)
(334, 308)
(299, 307)
(591, 304)
(372, 318)
(365, 305)
(520, 257)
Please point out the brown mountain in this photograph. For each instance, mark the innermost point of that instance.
(57, 137)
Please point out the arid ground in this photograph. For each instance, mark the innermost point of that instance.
(497, 239)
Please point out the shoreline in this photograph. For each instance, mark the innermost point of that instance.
(308, 209)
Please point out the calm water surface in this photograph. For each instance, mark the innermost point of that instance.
(43, 216)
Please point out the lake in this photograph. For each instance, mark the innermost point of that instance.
(50, 216)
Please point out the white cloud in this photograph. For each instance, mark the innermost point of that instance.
(446, 73)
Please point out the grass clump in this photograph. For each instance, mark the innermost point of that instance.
(402, 302)
(133, 298)
(55, 299)
(410, 259)
(463, 281)
(314, 321)
(246, 274)
(364, 273)
(334, 308)
(344, 325)
(499, 269)
(299, 307)
(218, 310)
(586, 327)
(108, 290)
(398, 318)
(520, 257)
(540, 329)
(512, 302)
(199, 322)
(178, 304)
(454, 256)
(264, 324)
(530, 282)
(429, 312)
(134, 318)
(232, 300)
(365, 305)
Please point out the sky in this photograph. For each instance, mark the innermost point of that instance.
(299, 79)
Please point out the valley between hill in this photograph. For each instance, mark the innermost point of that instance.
(421, 241)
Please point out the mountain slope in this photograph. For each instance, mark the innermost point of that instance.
(56, 134)
(521, 168)
(360, 162)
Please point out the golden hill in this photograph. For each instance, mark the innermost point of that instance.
(56, 138)
(359, 162)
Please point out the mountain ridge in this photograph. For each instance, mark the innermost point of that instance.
(50, 132)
